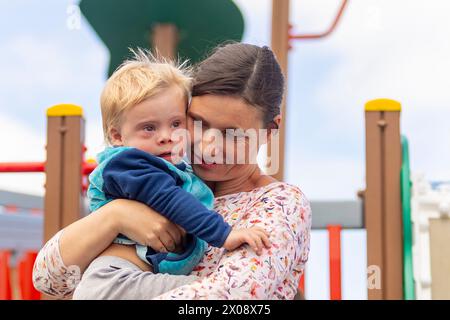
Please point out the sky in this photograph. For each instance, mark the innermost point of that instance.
(381, 49)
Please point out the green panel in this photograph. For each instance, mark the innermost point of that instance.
(408, 276)
(202, 24)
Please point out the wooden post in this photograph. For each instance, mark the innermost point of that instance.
(164, 40)
(65, 140)
(383, 209)
(280, 47)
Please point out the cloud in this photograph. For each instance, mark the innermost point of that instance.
(30, 59)
(393, 49)
(384, 48)
(326, 179)
(42, 68)
(21, 144)
(257, 17)
(94, 138)
(400, 54)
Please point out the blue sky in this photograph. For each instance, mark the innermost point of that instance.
(381, 49)
(394, 49)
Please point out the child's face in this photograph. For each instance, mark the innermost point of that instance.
(148, 126)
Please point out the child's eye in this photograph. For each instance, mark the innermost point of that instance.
(149, 128)
(176, 124)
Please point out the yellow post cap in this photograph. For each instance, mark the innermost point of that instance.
(65, 109)
(383, 105)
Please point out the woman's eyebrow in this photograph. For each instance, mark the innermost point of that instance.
(222, 127)
(178, 116)
(231, 128)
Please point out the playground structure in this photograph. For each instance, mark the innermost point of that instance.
(383, 211)
(20, 238)
(406, 223)
(430, 216)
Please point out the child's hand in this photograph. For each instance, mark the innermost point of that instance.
(256, 237)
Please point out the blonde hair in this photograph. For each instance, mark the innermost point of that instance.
(135, 80)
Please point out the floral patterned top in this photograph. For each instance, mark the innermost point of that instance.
(280, 208)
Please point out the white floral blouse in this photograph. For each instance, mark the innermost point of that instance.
(280, 208)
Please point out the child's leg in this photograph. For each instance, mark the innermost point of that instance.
(112, 278)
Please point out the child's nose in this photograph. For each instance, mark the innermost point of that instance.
(164, 137)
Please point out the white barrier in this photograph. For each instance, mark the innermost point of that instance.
(429, 206)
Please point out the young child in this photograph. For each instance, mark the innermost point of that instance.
(142, 104)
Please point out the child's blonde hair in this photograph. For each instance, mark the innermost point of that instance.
(137, 79)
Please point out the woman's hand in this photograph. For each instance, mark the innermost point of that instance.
(83, 240)
(142, 224)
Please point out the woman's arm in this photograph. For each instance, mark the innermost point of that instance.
(135, 174)
(241, 274)
(68, 253)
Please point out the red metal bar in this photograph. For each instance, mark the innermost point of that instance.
(11, 167)
(22, 167)
(5, 280)
(334, 237)
(301, 284)
(28, 292)
(10, 209)
(328, 31)
(36, 212)
(88, 167)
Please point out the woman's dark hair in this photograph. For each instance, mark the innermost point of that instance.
(245, 71)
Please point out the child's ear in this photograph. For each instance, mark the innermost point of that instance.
(116, 137)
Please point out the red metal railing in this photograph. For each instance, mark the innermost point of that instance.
(14, 167)
(25, 282)
(22, 167)
(334, 254)
(325, 33)
(334, 245)
(28, 292)
(301, 284)
(5, 277)
(25, 267)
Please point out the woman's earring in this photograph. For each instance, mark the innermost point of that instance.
(272, 125)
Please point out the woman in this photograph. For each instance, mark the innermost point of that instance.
(238, 86)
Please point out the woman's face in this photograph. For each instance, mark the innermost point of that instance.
(215, 145)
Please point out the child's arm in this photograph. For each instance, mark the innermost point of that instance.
(137, 175)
